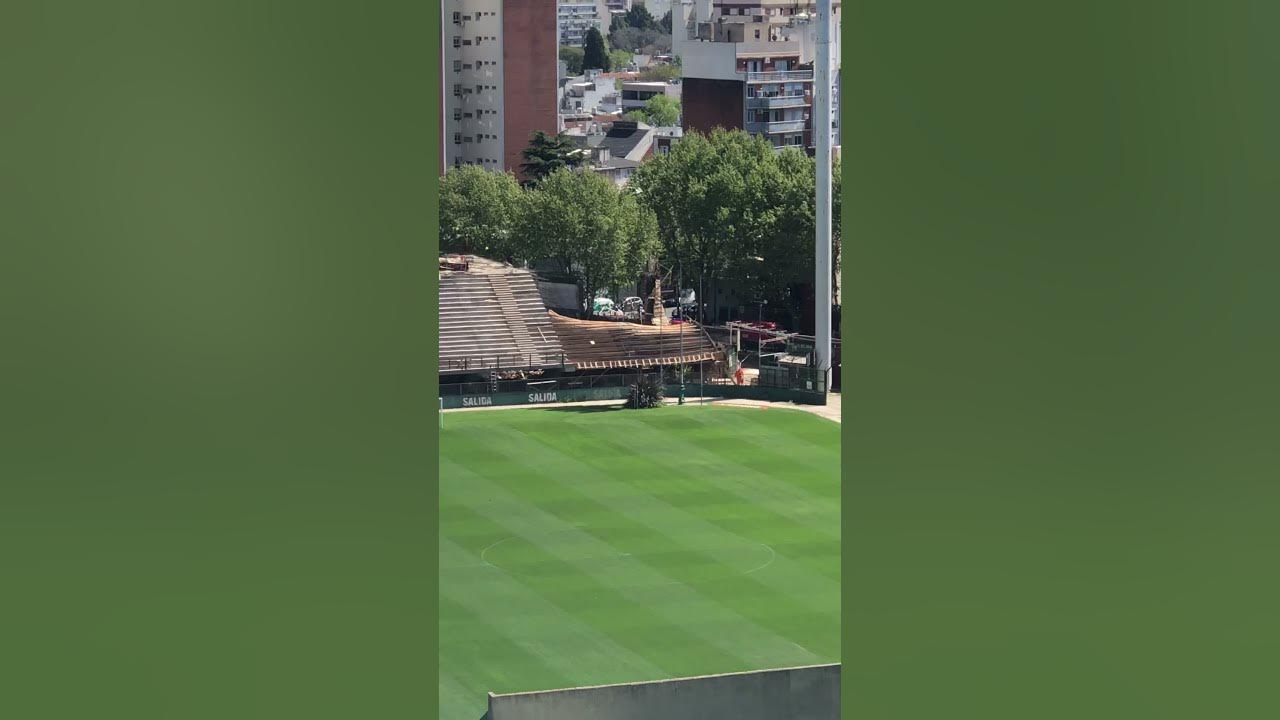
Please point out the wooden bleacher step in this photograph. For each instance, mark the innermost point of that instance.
(511, 313)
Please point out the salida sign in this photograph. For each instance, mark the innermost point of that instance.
(534, 398)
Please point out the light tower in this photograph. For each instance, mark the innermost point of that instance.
(822, 243)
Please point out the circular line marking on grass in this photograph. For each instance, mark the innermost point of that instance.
(485, 551)
(773, 555)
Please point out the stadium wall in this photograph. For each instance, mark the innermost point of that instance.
(801, 693)
(561, 396)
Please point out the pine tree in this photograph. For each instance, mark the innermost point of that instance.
(549, 153)
(595, 54)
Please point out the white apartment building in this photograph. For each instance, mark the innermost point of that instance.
(577, 17)
(500, 79)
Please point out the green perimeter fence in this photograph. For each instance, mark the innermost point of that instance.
(802, 388)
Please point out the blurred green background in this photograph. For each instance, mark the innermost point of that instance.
(217, 496)
(1060, 441)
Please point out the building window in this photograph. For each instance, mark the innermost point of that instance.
(457, 66)
(457, 113)
(457, 18)
(479, 88)
(457, 138)
(466, 42)
(457, 90)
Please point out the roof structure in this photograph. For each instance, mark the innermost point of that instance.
(622, 139)
(601, 345)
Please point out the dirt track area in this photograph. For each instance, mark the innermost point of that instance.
(830, 411)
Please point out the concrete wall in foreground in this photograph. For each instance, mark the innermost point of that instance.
(803, 693)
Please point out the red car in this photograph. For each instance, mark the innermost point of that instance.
(751, 330)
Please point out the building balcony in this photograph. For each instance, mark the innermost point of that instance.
(777, 102)
(776, 128)
(780, 76)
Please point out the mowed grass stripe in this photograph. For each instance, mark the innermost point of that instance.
(603, 570)
(612, 614)
(563, 640)
(618, 552)
(765, 475)
(477, 658)
(791, 589)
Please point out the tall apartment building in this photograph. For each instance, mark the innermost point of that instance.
(577, 17)
(501, 60)
(748, 65)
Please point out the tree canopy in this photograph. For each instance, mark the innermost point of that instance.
(731, 208)
(548, 153)
(660, 73)
(659, 110)
(477, 211)
(600, 235)
(639, 17)
(572, 57)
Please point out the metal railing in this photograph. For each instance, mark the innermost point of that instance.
(781, 76)
(777, 101)
(502, 362)
(780, 126)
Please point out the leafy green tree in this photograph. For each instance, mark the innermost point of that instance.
(646, 41)
(665, 23)
(619, 59)
(477, 211)
(659, 110)
(731, 208)
(639, 18)
(548, 153)
(660, 73)
(594, 53)
(601, 236)
(572, 57)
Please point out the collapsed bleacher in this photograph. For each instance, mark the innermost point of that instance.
(493, 320)
(596, 345)
(492, 317)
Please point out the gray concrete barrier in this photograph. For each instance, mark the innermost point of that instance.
(799, 693)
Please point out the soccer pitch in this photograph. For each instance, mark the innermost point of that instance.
(584, 546)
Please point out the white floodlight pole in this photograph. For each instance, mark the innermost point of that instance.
(822, 116)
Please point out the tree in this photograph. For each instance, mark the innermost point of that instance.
(659, 110)
(645, 41)
(594, 53)
(660, 73)
(639, 18)
(619, 59)
(601, 236)
(731, 208)
(548, 153)
(572, 57)
(477, 209)
(665, 23)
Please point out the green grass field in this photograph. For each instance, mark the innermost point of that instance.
(596, 545)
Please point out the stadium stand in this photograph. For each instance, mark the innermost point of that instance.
(492, 316)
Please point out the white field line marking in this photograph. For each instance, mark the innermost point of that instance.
(773, 555)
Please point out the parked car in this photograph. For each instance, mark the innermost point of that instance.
(753, 330)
